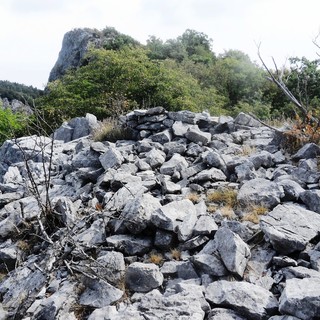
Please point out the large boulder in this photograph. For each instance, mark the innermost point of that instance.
(260, 192)
(248, 299)
(290, 227)
(301, 298)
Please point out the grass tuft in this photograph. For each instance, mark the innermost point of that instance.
(111, 130)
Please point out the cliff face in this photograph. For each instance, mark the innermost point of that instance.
(75, 45)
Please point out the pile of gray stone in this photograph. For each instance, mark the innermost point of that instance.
(133, 234)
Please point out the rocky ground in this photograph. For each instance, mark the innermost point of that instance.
(197, 217)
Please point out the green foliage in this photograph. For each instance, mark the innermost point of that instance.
(114, 40)
(235, 76)
(11, 124)
(116, 81)
(13, 90)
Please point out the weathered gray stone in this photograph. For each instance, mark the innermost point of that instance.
(212, 175)
(155, 158)
(195, 135)
(245, 171)
(111, 312)
(137, 213)
(57, 305)
(181, 305)
(248, 299)
(185, 116)
(292, 189)
(67, 210)
(234, 252)
(311, 198)
(209, 264)
(185, 228)
(309, 150)
(95, 234)
(290, 227)
(173, 147)
(261, 192)
(300, 273)
(205, 225)
(179, 269)
(301, 298)
(214, 159)
(262, 159)
(162, 137)
(130, 245)
(99, 293)
(164, 239)
(176, 163)
(143, 277)
(169, 216)
(112, 158)
(110, 265)
(224, 314)
(243, 119)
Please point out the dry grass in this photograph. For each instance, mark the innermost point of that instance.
(248, 150)
(227, 212)
(156, 258)
(194, 197)
(175, 254)
(23, 245)
(225, 196)
(111, 130)
(253, 213)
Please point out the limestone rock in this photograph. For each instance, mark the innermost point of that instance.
(248, 299)
(290, 227)
(99, 293)
(260, 192)
(300, 298)
(143, 277)
(234, 252)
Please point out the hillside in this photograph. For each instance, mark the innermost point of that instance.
(194, 217)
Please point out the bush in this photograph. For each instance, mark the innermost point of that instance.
(12, 124)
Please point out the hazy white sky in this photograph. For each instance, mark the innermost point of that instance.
(31, 31)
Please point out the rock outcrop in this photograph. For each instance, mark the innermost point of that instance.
(132, 229)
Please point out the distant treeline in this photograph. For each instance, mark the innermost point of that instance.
(13, 90)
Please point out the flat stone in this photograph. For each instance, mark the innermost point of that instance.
(130, 245)
(248, 299)
(210, 264)
(290, 227)
(170, 215)
(195, 135)
(99, 293)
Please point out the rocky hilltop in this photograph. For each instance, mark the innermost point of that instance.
(195, 217)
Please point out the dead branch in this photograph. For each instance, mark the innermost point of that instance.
(276, 78)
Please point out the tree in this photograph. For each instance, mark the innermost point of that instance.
(237, 77)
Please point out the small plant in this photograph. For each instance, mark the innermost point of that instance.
(175, 254)
(23, 245)
(156, 258)
(224, 196)
(194, 197)
(253, 213)
(111, 130)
